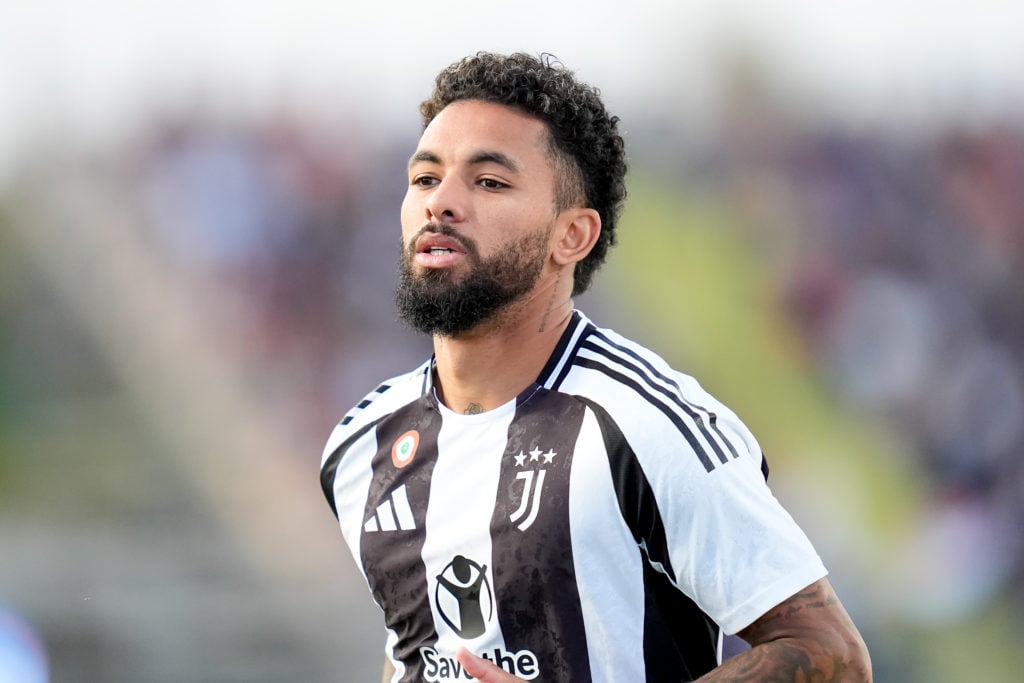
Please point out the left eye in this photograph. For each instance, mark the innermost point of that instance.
(492, 184)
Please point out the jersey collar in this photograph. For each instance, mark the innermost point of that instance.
(556, 367)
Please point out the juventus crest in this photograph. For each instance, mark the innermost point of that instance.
(533, 485)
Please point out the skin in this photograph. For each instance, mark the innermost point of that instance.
(485, 170)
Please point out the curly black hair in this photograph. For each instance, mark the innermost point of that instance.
(589, 154)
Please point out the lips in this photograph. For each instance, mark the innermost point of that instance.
(435, 243)
(435, 250)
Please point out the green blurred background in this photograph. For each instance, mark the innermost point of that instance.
(198, 230)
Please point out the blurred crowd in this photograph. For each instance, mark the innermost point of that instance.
(899, 259)
(298, 225)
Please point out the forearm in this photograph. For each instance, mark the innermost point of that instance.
(808, 637)
(788, 660)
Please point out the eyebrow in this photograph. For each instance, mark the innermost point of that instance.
(428, 157)
(481, 157)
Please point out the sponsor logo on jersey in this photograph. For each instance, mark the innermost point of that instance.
(533, 485)
(393, 514)
(444, 667)
(464, 598)
(404, 449)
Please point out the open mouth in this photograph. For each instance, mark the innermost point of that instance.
(436, 251)
(434, 244)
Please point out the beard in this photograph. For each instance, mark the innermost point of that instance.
(438, 303)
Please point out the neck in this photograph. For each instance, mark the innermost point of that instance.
(497, 360)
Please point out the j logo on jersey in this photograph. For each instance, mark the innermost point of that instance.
(533, 485)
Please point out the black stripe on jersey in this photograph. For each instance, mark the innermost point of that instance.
(636, 499)
(672, 415)
(327, 472)
(680, 640)
(370, 398)
(676, 397)
(534, 574)
(393, 559)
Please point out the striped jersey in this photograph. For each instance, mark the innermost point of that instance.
(610, 523)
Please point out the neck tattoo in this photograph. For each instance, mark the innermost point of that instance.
(551, 302)
(474, 409)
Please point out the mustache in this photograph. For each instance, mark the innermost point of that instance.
(448, 231)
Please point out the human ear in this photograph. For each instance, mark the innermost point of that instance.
(579, 230)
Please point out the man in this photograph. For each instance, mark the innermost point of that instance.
(545, 499)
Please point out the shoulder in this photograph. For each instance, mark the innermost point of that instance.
(653, 404)
(625, 378)
(384, 399)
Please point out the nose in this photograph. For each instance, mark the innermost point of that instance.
(446, 202)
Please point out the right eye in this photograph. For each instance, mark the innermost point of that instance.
(424, 181)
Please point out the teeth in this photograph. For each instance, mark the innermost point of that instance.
(440, 250)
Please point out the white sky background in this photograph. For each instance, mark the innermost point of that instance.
(84, 71)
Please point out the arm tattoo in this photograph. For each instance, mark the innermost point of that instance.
(807, 638)
(814, 597)
(778, 662)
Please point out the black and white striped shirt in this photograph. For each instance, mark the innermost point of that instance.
(608, 524)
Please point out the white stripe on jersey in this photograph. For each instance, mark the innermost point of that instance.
(463, 511)
(604, 554)
(355, 482)
(402, 510)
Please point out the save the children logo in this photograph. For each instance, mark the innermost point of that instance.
(464, 598)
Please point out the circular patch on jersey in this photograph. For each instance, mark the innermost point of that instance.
(404, 449)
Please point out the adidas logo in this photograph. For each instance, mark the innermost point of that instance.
(393, 514)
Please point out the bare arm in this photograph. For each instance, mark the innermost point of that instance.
(808, 637)
(389, 671)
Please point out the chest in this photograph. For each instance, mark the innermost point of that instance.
(479, 511)
(452, 486)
